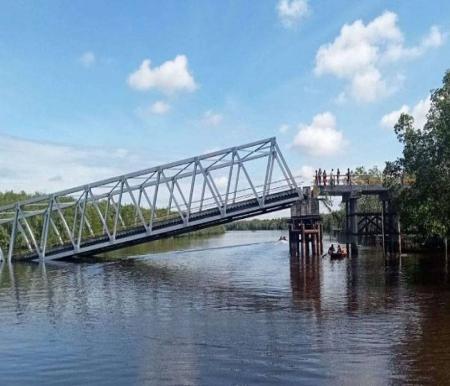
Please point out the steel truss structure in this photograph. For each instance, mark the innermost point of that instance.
(158, 202)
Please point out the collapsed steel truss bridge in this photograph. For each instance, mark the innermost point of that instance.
(150, 204)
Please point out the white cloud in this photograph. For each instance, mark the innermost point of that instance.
(389, 120)
(283, 129)
(418, 112)
(160, 108)
(87, 59)
(305, 175)
(435, 38)
(361, 53)
(169, 77)
(212, 119)
(291, 12)
(49, 167)
(320, 138)
(221, 182)
(368, 86)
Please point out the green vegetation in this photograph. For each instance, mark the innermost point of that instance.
(128, 219)
(419, 181)
(256, 224)
(333, 220)
(424, 206)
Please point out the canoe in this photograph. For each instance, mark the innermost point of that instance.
(335, 255)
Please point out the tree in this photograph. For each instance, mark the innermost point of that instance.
(425, 163)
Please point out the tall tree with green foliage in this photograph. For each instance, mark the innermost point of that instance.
(425, 167)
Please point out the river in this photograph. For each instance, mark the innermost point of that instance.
(205, 311)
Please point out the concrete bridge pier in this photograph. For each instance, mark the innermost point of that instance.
(305, 228)
(351, 222)
(391, 226)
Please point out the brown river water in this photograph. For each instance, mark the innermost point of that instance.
(226, 310)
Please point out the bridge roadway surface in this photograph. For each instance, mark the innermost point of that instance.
(167, 228)
(353, 190)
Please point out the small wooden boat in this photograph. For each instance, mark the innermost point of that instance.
(338, 255)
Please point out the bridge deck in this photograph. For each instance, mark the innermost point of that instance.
(175, 226)
(342, 190)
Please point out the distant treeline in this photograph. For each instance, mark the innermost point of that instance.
(330, 221)
(127, 214)
(258, 225)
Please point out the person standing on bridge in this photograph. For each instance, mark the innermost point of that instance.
(338, 176)
(349, 180)
(316, 179)
(332, 177)
(319, 176)
(324, 175)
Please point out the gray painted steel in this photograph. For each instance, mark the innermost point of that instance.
(165, 200)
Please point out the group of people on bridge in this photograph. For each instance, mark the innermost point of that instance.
(323, 179)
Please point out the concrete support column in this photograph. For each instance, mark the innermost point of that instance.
(303, 239)
(321, 238)
(351, 211)
(293, 242)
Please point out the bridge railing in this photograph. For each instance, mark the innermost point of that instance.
(145, 198)
(345, 179)
(358, 179)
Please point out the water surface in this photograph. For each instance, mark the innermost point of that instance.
(200, 311)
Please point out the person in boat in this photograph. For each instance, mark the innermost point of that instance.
(282, 238)
(339, 250)
(331, 249)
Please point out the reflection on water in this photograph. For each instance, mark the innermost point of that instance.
(200, 311)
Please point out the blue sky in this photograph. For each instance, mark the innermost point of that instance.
(219, 74)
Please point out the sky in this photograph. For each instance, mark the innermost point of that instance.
(93, 89)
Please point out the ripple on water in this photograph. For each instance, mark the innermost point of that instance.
(221, 314)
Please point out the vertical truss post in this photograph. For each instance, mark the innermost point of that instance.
(268, 174)
(191, 192)
(83, 213)
(170, 197)
(230, 174)
(119, 204)
(138, 206)
(12, 238)
(155, 197)
(237, 181)
(105, 229)
(272, 162)
(203, 193)
(47, 219)
(74, 225)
